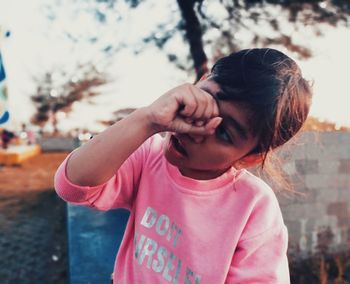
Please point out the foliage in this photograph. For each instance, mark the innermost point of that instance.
(315, 124)
(57, 91)
(211, 28)
(219, 26)
(329, 267)
(326, 264)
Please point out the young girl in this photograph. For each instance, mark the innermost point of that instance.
(196, 215)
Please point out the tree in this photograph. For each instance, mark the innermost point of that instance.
(57, 91)
(240, 13)
(315, 124)
(210, 28)
(218, 24)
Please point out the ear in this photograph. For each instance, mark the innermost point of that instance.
(204, 76)
(250, 161)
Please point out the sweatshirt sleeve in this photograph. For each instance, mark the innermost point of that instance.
(261, 253)
(262, 259)
(119, 191)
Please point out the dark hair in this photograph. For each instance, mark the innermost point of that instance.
(271, 87)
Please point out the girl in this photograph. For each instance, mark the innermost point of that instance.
(196, 215)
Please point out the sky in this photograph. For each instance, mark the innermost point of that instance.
(36, 45)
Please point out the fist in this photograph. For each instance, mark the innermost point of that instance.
(185, 109)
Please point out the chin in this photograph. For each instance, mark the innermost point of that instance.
(172, 160)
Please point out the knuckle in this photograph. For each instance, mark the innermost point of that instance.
(187, 86)
(215, 108)
(173, 95)
(202, 99)
(181, 128)
(191, 104)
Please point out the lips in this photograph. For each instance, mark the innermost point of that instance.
(176, 142)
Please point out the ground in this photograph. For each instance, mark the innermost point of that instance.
(33, 238)
(34, 175)
(32, 223)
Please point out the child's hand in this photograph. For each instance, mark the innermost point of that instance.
(184, 109)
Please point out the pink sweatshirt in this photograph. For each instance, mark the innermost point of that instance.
(225, 230)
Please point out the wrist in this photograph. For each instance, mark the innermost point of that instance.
(145, 117)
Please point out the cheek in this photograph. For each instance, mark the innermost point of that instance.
(220, 158)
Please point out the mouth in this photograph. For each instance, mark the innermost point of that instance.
(176, 143)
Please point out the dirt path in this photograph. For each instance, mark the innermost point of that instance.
(35, 174)
(33, 241)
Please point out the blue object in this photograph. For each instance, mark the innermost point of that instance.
(93, 241)
(2, 70)
(5, 117)
(4, 114)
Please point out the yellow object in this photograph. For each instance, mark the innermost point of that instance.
(17, 154)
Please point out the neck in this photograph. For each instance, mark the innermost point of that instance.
(201, 174)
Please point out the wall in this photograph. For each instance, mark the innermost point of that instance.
(319, 167)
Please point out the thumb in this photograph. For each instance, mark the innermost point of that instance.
(212, 124)
(184, 126)
(181, 125)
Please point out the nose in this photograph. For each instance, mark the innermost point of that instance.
(196, 138)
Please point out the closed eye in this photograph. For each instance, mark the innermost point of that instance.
(223, 134)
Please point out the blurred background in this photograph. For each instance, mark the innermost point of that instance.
(71, 68)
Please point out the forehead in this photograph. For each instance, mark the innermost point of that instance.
(229, 110)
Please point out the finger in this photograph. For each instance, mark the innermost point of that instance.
(212, 109)
(197, 130)
(199, 123)
(186, 98)
(199, 97)
(213, 124)
(203, 102)
(181, 126)
(215, 105)
(189, 120)
(189, 108)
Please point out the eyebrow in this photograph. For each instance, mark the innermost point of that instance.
(242, 131)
